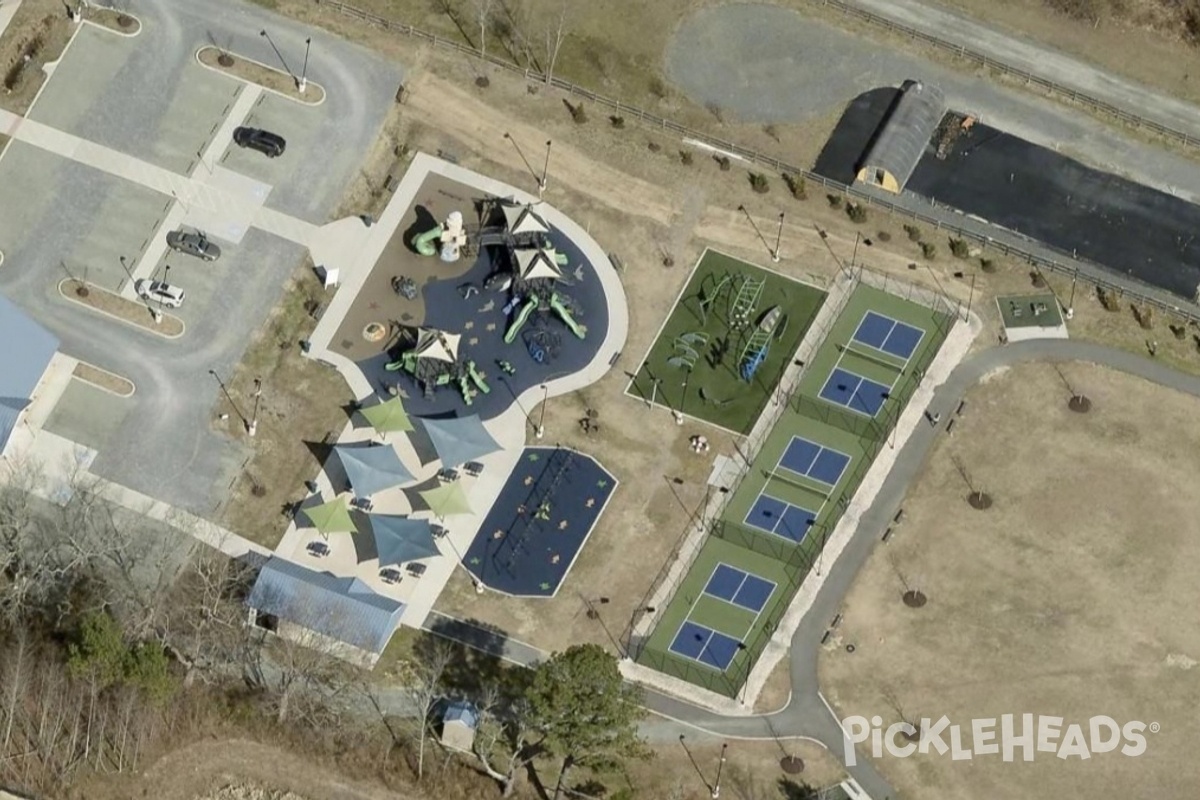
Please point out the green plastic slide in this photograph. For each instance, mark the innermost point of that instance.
(427, 242)
(531, 303)
(558, 307)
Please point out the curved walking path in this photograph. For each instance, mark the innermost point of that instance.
(807, 714)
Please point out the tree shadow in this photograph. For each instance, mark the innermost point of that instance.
(791, 790)
(425, 221)
(478, 665)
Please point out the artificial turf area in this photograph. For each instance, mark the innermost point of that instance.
(782, 510)
(712, 388)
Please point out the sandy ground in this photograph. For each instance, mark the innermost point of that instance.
(1066, 598)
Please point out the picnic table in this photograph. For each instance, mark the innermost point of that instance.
(416, 569)
(390, 575)
(318, 548)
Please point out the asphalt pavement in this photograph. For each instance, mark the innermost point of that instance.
(166, 447)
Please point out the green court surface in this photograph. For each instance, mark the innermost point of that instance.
(739, 537)
(694, 364)
(690, 603)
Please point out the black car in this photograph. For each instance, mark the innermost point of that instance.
(269, 144)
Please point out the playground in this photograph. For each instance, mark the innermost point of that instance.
(540, 522)
(721, 352)
(802, 476)
(472, 302)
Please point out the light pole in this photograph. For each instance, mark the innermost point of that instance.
(165, 283)
(252, 428)
(778, 239)
(528, 166)
(761, 238)
(545, 171)
(716, 791)
(263, 33)
(541, 428)
(304, 72)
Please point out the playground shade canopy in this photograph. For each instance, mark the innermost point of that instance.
(400, 539)
(386, 416)
(447, 500)
(534, 264)
(331, 517)
(341, 608)
(372, 468)
(458, 440)
(437, 345)
(523, 219)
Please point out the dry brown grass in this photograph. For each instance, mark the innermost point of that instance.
(267, 77)
(102, 378)
(1071, 596)
(301, 405)
(40, 29)
(1146, 40)
(113, 20)
(135, 312)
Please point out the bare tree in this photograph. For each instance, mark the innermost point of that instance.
(483, 16)
(424, 688)
(555, 32)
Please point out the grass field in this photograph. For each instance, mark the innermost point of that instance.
(1073, 596)
(785, 554)
(712, 390)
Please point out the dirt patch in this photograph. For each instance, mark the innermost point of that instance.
(682, 770)
(103, 379)
(36, 36)
(300, 407)
(266, 77)
(236, 770)
(112, 19)
(1065, 598)
(777, 691)
(135, 312)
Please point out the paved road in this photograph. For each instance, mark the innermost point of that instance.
(1039, 59)
(165, 448)
(806, 715)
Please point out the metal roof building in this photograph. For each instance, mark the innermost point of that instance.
(459, 723)
(26, 349)
(901, 139)
(345, 609)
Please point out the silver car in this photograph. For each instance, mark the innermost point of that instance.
(193, 244)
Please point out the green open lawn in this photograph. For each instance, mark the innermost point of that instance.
(772, 556)
(711, 389)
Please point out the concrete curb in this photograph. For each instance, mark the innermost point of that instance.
(132, 385)
(275, 92)
(136, 32)
(66, 296)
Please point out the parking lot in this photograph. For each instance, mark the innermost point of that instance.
(148, 98)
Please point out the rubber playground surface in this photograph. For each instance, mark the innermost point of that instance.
(480, 318)
(699, 358)
(534, 531)
(781, 512)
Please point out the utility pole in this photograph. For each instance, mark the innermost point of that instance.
(252, 428)
(528, 166)
(778, 238)
(263, 33)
